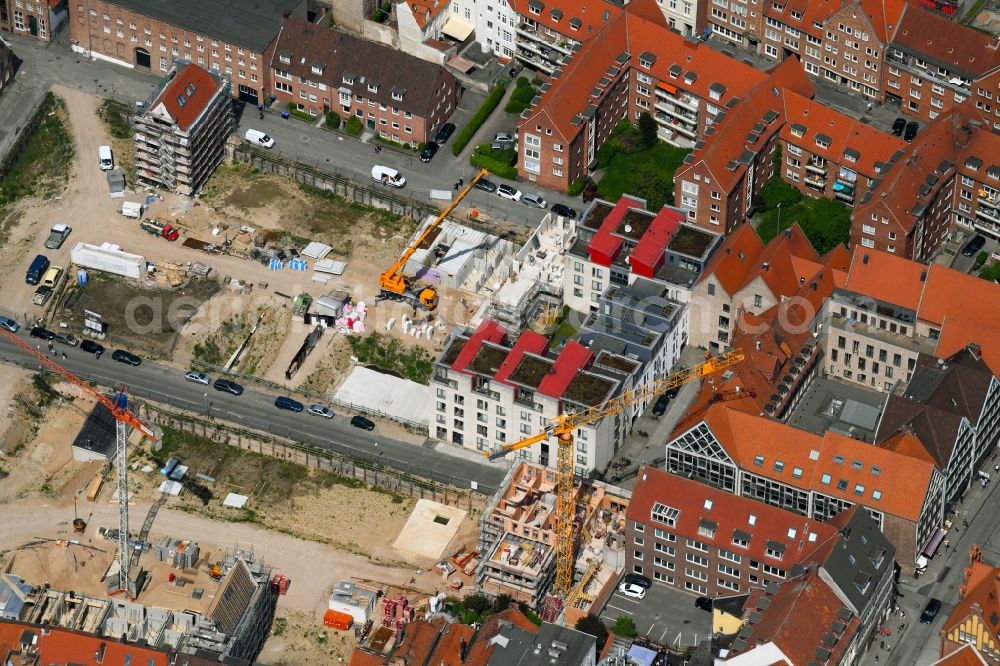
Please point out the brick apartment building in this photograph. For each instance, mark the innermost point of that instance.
(717, 184)
(933, 64)
(236, 41)
(816, 476)
(39, 19)
(399, 96)
(181, 136)
(635, 64)
(946, 179)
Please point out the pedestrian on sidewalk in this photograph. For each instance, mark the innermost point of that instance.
(996, 468)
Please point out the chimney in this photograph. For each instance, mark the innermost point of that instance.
(765, 266)
(802, 281)
(975, 350)
(99, 653)
(923, 276)
(462, 649)
(864, 259)
(757, 345)
(788, 232)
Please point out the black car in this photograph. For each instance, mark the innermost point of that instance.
(672, 393)
(564, 210)
(637, 579)
(91, 347)
(485, 185)
(898, 125)
(973, 246)
(228, 387)
(429, 151)
(911, 130)
(930, 611)
(42, 333)
(444, 133)
(292, 405)
(362, 422)
(660, 408)
(123, 356)
(703, 603)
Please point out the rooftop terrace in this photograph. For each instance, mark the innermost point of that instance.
(488, 359)
(531, 370)
(690, 241)
(588, 389)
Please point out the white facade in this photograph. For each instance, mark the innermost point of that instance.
(495, 22)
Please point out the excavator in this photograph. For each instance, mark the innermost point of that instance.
(396, 286)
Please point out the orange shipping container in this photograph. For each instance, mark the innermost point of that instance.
(337, 620)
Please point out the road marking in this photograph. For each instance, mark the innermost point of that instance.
(663, 636)
(622, 610)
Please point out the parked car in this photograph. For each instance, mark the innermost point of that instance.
(485, 185)
(123, 356)
(198, 378)
(258, 138)
(930, 611)
(704, 603)
(637, 579)
(42, 295)
(564, 210)
(672, 393)
(92, 347)
(660, 406)
(898, 125)
(57, 236)
(503, 137)
(387, 176)
(320, 410)
(429, 151)
(67, 339)
(362, 422)
(227, 386)
(444, 133)
(284, 402)
(973, 246)
(509, 192)
(911, 130)
(632, 591)
(42, 333)
(9, 324)
(534, 200)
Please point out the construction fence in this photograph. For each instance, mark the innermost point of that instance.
(369, 472)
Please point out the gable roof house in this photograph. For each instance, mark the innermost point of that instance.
(974, 623)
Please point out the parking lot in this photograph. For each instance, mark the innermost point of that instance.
(665, 615)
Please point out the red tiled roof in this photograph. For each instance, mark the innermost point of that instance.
(982, 589)
(482, 646)
(529, 341)
(908, 445)
(884, 16)
(605, 245)
(967, 655)
(963, 49)
(448, 651)
(488, 331)
(424, 10)
(647, 256)
(63, 646)
(873, 144)
(360, 658)
(958, 333)
(886, 277)
(735, 259)
(419, 638)
(802, 538)
(593, 17)
(810, 10)
(573, 358)
(948, 293)
(187, 95)
(782, 274)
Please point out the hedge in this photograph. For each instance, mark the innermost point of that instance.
(476, 121)
(500, 163)
(302, 115)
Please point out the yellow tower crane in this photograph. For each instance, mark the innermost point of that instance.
(561, 427)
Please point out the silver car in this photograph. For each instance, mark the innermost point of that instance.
(535, 200)
(320, 410)
(198, 378)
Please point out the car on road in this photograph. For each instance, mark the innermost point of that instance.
(660, 406)
(973, 246)
(258, 138)
(534, 200)
(227, 387)
(898, 125)
(198, 378)
(637, 579)
(91, 347)
(284, 402)
(42, 333)
(123, 356)
(704, 603)
(362, 422)
(9, 324)
(485, 185)
(632, 591)
(387, 176)
(67, 339)
(320, 410)
(444, 133)
(930, 611)
(911, 130)
(509, 192)
(564, 210)
(429, 151)
(58, 235)
(42, 295)
(503, 137)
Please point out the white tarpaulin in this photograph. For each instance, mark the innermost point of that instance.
(316, 250)
(172, 488)
(386, 394)
(443, 195)
(330, 266)
(457, 29)
(235, 501)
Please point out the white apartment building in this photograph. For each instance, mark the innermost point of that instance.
(495, 23)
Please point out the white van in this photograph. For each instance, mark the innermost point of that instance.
(258, 138)
(387, 176)
(105, 157)
(131, 209)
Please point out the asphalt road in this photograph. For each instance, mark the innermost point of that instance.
(256, 410)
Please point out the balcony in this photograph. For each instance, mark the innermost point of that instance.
(816, 167)
(814, 182)
(681, 114)
(665, 134)
(541, 51)
(985, 200)
(680, 99)
(990, 215)
(534, 34)
(847, 196)
(536, 61)
(689, 130)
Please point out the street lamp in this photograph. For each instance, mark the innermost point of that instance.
(777, 228)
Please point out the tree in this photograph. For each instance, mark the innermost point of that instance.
(502, 602)
(353, 126)
(647, 131)
(778, 192)
(649, 184)
(477, 603)
(591, 624)
(625, 626)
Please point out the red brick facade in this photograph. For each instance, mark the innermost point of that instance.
(34, 18)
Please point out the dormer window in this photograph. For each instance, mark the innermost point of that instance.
(397, 94)
(823, 141)
(317, 68)
(798, 130)
(285, 57)
(348, 79)
(372, 87)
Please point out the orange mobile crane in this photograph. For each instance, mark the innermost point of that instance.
(395, 286)
(126, 421)
(561, 427)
